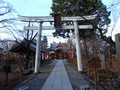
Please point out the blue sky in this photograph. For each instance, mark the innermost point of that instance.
(35, 8)
(115, 16)
(32, 7)
(38, 8)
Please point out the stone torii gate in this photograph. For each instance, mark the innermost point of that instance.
(40, 20)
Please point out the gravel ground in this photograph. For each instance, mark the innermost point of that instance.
(37, 81)
(77, 79)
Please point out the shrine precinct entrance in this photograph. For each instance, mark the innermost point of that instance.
(44, 19)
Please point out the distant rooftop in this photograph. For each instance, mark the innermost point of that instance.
(55, 46)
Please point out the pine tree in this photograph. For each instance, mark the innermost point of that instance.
(82, 8)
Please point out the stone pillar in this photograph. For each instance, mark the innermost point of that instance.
(78, 49)
(117, 43)
(38, 48)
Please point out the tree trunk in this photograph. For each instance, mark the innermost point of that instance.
(86, 51)
(27, 59)
(86, 56)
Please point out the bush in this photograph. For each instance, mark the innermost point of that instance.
(106, 75)
(116, 83)
(28, 72)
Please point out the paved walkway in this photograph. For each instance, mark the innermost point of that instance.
(58, 79)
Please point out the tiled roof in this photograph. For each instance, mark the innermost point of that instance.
(53, 46)
(56, 46)
(22, 47)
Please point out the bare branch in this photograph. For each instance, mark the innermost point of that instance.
(6, 11)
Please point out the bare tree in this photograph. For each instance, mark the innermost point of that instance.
(8, 19)
(6, 14)
(114, 7)
(11, 25)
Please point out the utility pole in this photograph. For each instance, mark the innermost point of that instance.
(117, 43)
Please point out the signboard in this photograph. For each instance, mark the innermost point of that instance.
(72, 54)
(7, 69)
(57, 20)
(94, 63)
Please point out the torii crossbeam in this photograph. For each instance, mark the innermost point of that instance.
(62, 28)
(51, 19)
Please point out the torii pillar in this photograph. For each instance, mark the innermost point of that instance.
(78, 49)
(38, 48)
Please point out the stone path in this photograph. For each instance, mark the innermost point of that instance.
(58, 79)
(37, 81)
